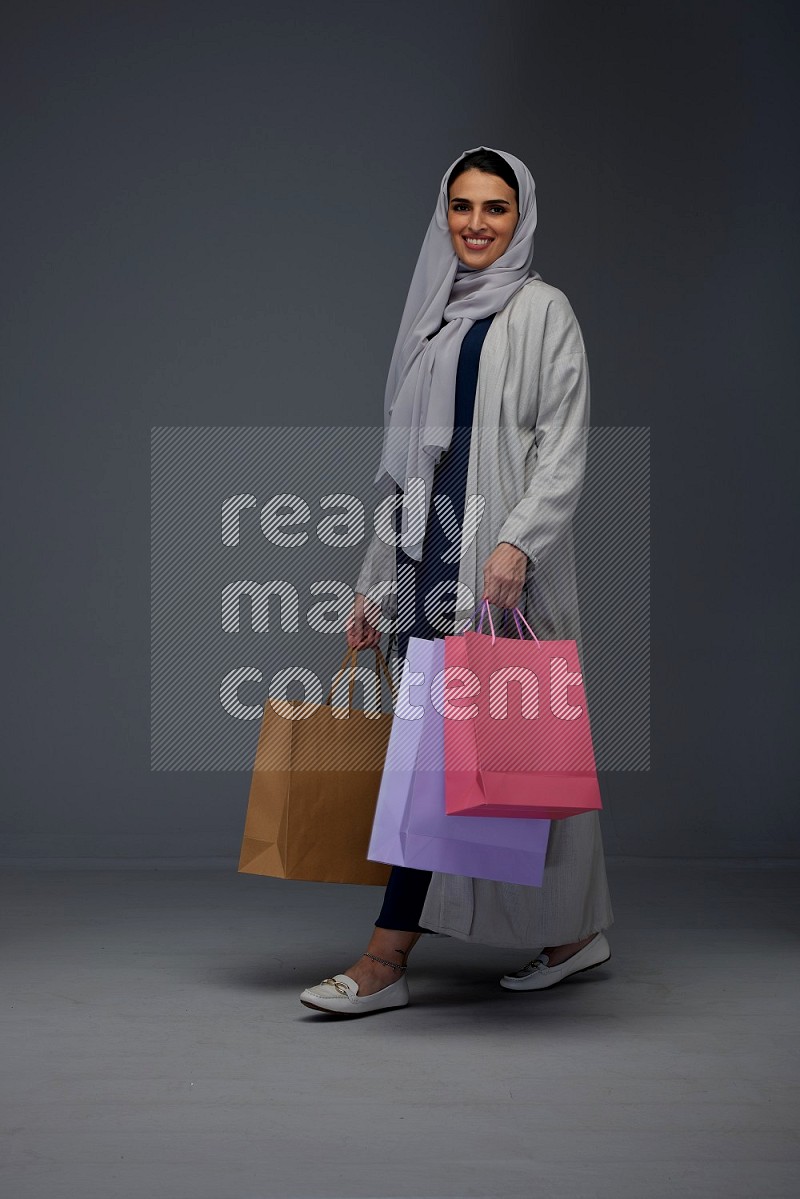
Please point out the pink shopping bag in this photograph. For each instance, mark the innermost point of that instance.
(411, 827)
(517, 736)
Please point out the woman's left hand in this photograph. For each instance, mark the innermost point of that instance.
(504, 576)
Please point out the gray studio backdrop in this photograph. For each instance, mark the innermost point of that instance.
(212, 215)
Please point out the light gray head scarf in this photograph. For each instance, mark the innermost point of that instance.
(420, 389)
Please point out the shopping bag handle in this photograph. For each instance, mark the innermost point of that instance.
(485, 610)
(349, 660)
(380, 662)
(470, 619)
(517, 614)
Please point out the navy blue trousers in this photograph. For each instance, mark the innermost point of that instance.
(402, 903)
(407, 888)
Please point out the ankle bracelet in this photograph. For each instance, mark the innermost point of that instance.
(384, 962)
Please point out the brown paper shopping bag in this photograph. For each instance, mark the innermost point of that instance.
(315, 786)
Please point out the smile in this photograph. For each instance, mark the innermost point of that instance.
(478, 243)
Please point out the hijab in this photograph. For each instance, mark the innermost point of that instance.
(419, 403)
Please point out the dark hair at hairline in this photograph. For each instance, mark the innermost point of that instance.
(490, 163)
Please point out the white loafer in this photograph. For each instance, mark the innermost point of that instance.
(537, 974)
(340, 994)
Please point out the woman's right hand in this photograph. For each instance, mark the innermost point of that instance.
(362, 630)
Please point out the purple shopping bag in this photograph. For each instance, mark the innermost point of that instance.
(411, 827)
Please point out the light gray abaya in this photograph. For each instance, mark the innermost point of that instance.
(527, 459)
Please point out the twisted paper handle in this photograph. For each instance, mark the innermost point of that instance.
(349, 661)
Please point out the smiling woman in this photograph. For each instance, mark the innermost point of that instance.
(487, 396)
(483, 210)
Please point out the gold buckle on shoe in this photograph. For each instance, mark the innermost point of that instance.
(340, 987)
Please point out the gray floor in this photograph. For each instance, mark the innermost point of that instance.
(154, 1046)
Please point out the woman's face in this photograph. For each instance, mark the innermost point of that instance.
(482, 214)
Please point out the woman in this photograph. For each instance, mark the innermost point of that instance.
(487, 402)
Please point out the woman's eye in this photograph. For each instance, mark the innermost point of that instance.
(496, 209)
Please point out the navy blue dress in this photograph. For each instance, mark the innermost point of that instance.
(407, 888)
